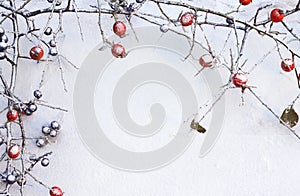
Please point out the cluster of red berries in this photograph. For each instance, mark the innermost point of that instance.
(239, 79)
(119, 28)
(14, 150)
(117, 50)
(276, 14)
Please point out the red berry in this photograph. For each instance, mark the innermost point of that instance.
(14, 151)
(56, 191)
(287, 65)
(239, 79)
(119, 28)
(206, 60)
(245, 2)
(186, 19)
(12, 115)
(36, 53)
(118, 51)
(277, 15)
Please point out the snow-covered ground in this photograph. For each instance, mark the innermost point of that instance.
(254, 154)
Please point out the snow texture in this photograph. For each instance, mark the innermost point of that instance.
(254, 155)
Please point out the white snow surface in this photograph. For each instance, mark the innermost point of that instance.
(253, 156)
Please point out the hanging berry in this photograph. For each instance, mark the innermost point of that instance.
(32, 107)
(41, 142)
(55, 125)
(287, 65)
(239, 79)
(33, 157)
(3, 46)
(52, 43)
(53, 133)
(277, 15)
(20, 107)
(56, 191)
(206, 60)
(16, 172)
(57, 2)
(28, 112)
(48, 31)
(46, 130)
(14, 151)
(3, 43)
(119, 28)
(45, 162)
(37, 94)
(118, 51)
(229, 21)
(3, 38)
(2, 31)
(53, 52)
(10, 179)
(12, 115)
(186, 19)
(2, 55)
(164, 28)
(245, 2)
(36, 53)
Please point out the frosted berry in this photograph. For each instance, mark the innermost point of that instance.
(2, 31)
(58, 2)
(53, 133)
(206, 60)
(239, 79)
(287, 65)
(118, 51)
(28, 112)
(277, 15)
(14, 151)
(10, 179)
(53, 52)
(16, 172)
(229, 21)
(48, 31)
(186, 19)
(12, 115)
(52, 43)
(56, 191)
(32, 107)
(45, 162)
(37, 94)
(36, 53)
(41, 142)
(32, 157)
(55, 125)
(4, 38)
(119, 28)
(245, 2)
(2, 55)
(3, 46)
(21, 181)
(46, 130)
(164, 28)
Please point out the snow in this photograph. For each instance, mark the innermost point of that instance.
(253, 156)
